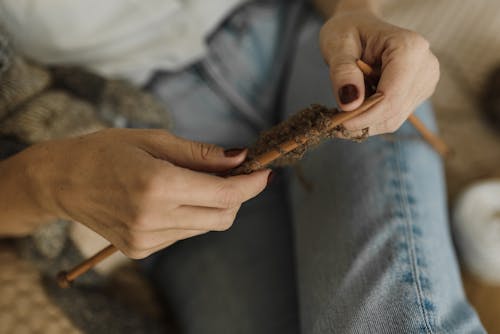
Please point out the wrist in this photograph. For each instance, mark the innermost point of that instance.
(21, 202)
(43, 175)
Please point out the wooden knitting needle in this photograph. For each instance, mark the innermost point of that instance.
(335, 120)
(437, 143)
(64, 279)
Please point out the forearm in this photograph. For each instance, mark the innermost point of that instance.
(21, 204)
(328, 7)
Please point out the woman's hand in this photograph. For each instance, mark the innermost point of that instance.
(143, 189)
(409, 70)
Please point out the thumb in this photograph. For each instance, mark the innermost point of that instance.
(347, 79)
(192, 154)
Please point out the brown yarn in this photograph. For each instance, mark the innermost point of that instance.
(38, 104)
(312, 123)
(287, 142)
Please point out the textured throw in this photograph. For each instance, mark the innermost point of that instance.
(39, 104)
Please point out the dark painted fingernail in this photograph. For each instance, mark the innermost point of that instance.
(348, 94)
(233, 152)
(270, 177)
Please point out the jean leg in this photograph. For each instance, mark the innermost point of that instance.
(374, 253)
(242, 280)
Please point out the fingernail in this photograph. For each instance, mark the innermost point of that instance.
(348, 94)
(233, 152)
(270, 177)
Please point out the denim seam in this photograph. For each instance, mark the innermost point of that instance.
(411, 241)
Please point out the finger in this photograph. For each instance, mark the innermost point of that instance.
(147, 243)
(187, 187)
(186, 223)
(201, 218)
(380, 119)
(409, 75)
(396, 82)
(347, 79)
(212, 191)
(191, 154)
(185, 218)
(171, 242)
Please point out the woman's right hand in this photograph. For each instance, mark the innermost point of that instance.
(142, 190)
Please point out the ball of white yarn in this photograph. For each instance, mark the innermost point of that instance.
(476, 223)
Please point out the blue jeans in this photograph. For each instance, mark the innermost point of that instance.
(365, 247)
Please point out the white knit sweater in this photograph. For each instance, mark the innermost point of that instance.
(118, 38)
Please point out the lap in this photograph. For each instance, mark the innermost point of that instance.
(374, 252)
(370, 242)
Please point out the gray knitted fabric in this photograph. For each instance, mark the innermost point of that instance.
(38, 104)
(5, 53)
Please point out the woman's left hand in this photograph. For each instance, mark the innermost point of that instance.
(409, 70)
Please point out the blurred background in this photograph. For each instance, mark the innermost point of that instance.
(465, 37)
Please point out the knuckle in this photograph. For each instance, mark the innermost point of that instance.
(393, 124)
(134, 254)
(392, 128)
(136, 242)
(127, 249)
(435, 65)
(228, 196)
(408, 43)
(342, 69)
(332, 37)
(202, 151)
(227, 219)
(152, 185)
(389, 126)
(137, 217)
(416, 40)
(145, 183)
